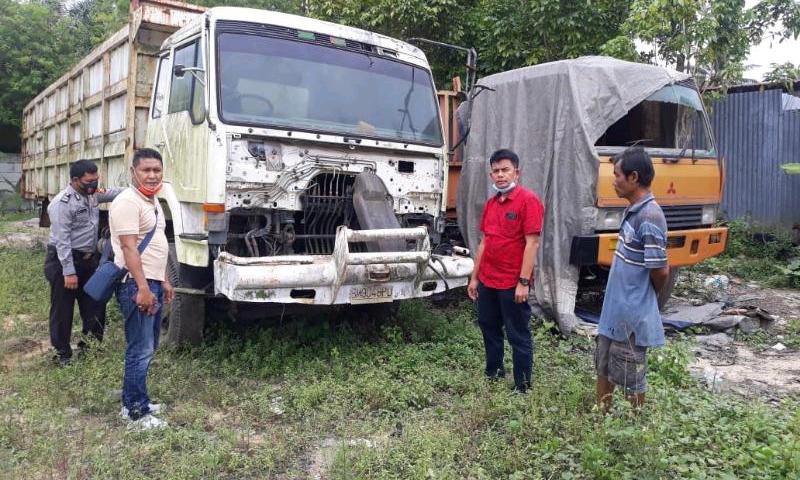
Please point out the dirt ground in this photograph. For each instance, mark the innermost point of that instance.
(769, 373)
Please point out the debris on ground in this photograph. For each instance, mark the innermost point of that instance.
(725, 363)
(723, 314)
(747, 373)
(717, 341)
(694, 314)
(275, 406)
(325, 452)
(717, 282)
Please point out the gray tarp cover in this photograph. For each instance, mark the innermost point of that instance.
(551, 115)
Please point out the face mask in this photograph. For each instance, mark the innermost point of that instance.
(147, 192)
(504, 190)
(88, 188)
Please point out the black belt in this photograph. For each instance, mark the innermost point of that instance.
(82, 255)
(75, 253)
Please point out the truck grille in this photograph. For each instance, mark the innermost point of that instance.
(683, 216)
(327, 204)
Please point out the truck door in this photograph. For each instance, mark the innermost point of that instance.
(183, 128)
(155, 137)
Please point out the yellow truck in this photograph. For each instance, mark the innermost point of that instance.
(304, 160)
(566, 120)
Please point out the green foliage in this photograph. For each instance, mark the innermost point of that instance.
(792, 334)
(761, 254)
(41, 39)
(668, 366)
(786, 73)
(514, 34)
(708, 38)
(34, 52)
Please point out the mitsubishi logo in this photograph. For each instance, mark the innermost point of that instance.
(671, 189)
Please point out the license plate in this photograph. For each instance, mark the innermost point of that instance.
(371, 294)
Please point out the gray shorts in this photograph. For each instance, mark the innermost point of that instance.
(623, 363)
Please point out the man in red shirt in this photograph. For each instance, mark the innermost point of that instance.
(500, 283)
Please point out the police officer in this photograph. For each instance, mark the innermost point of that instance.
(72, 257)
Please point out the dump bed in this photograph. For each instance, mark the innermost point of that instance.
(98, 110)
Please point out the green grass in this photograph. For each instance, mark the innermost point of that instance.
(17, 216)
(336, 379)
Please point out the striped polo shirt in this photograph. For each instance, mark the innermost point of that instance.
(630, 305)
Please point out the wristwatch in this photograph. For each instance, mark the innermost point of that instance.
(524, 282)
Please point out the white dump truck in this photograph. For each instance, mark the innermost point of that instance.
(304, 161)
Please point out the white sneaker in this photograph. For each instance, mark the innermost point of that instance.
(147, 422)
(154, 408)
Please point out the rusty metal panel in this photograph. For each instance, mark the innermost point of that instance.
(116, 113)
(755, 136)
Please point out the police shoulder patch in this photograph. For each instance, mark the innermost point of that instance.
(65, 198)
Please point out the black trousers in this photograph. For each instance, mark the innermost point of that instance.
(62, 301)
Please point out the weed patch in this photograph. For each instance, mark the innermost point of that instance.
(757, 254)
(405, 399)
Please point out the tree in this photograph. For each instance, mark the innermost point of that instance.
(34, 52)
(786, 73)
(441, 20)
(708, 38)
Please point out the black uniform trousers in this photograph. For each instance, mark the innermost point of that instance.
(62, 300)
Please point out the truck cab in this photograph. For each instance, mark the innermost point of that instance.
(304, 163)
(672, 126)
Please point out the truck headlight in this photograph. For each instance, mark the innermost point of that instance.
(609, 219)
(709, 215)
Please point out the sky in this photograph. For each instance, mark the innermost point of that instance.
(769, 51)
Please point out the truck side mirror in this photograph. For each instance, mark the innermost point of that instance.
(178, 70)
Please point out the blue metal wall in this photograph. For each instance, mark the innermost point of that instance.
(755, 137)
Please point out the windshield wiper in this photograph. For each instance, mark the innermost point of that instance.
(404, 110)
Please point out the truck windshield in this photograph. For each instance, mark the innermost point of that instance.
(280, 83)
(671, 118)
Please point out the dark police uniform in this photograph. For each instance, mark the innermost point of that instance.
(72, 250)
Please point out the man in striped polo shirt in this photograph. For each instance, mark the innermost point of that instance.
(630, 322)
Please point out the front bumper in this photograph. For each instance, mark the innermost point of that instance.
(344, 277)
(684, 247)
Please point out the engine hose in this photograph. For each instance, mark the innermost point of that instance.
(437, 272)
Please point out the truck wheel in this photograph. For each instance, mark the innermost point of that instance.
(666, 292)
(185, 318)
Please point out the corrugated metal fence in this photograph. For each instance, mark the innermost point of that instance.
(755, 135)
(10, 172)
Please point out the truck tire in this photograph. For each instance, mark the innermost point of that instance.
(184, 319)
(666, 292)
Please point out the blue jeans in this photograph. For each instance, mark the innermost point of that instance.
(141, 334)
(498, 310)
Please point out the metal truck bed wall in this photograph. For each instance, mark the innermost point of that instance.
(98, 110)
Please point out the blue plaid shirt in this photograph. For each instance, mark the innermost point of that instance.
(631, 305)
